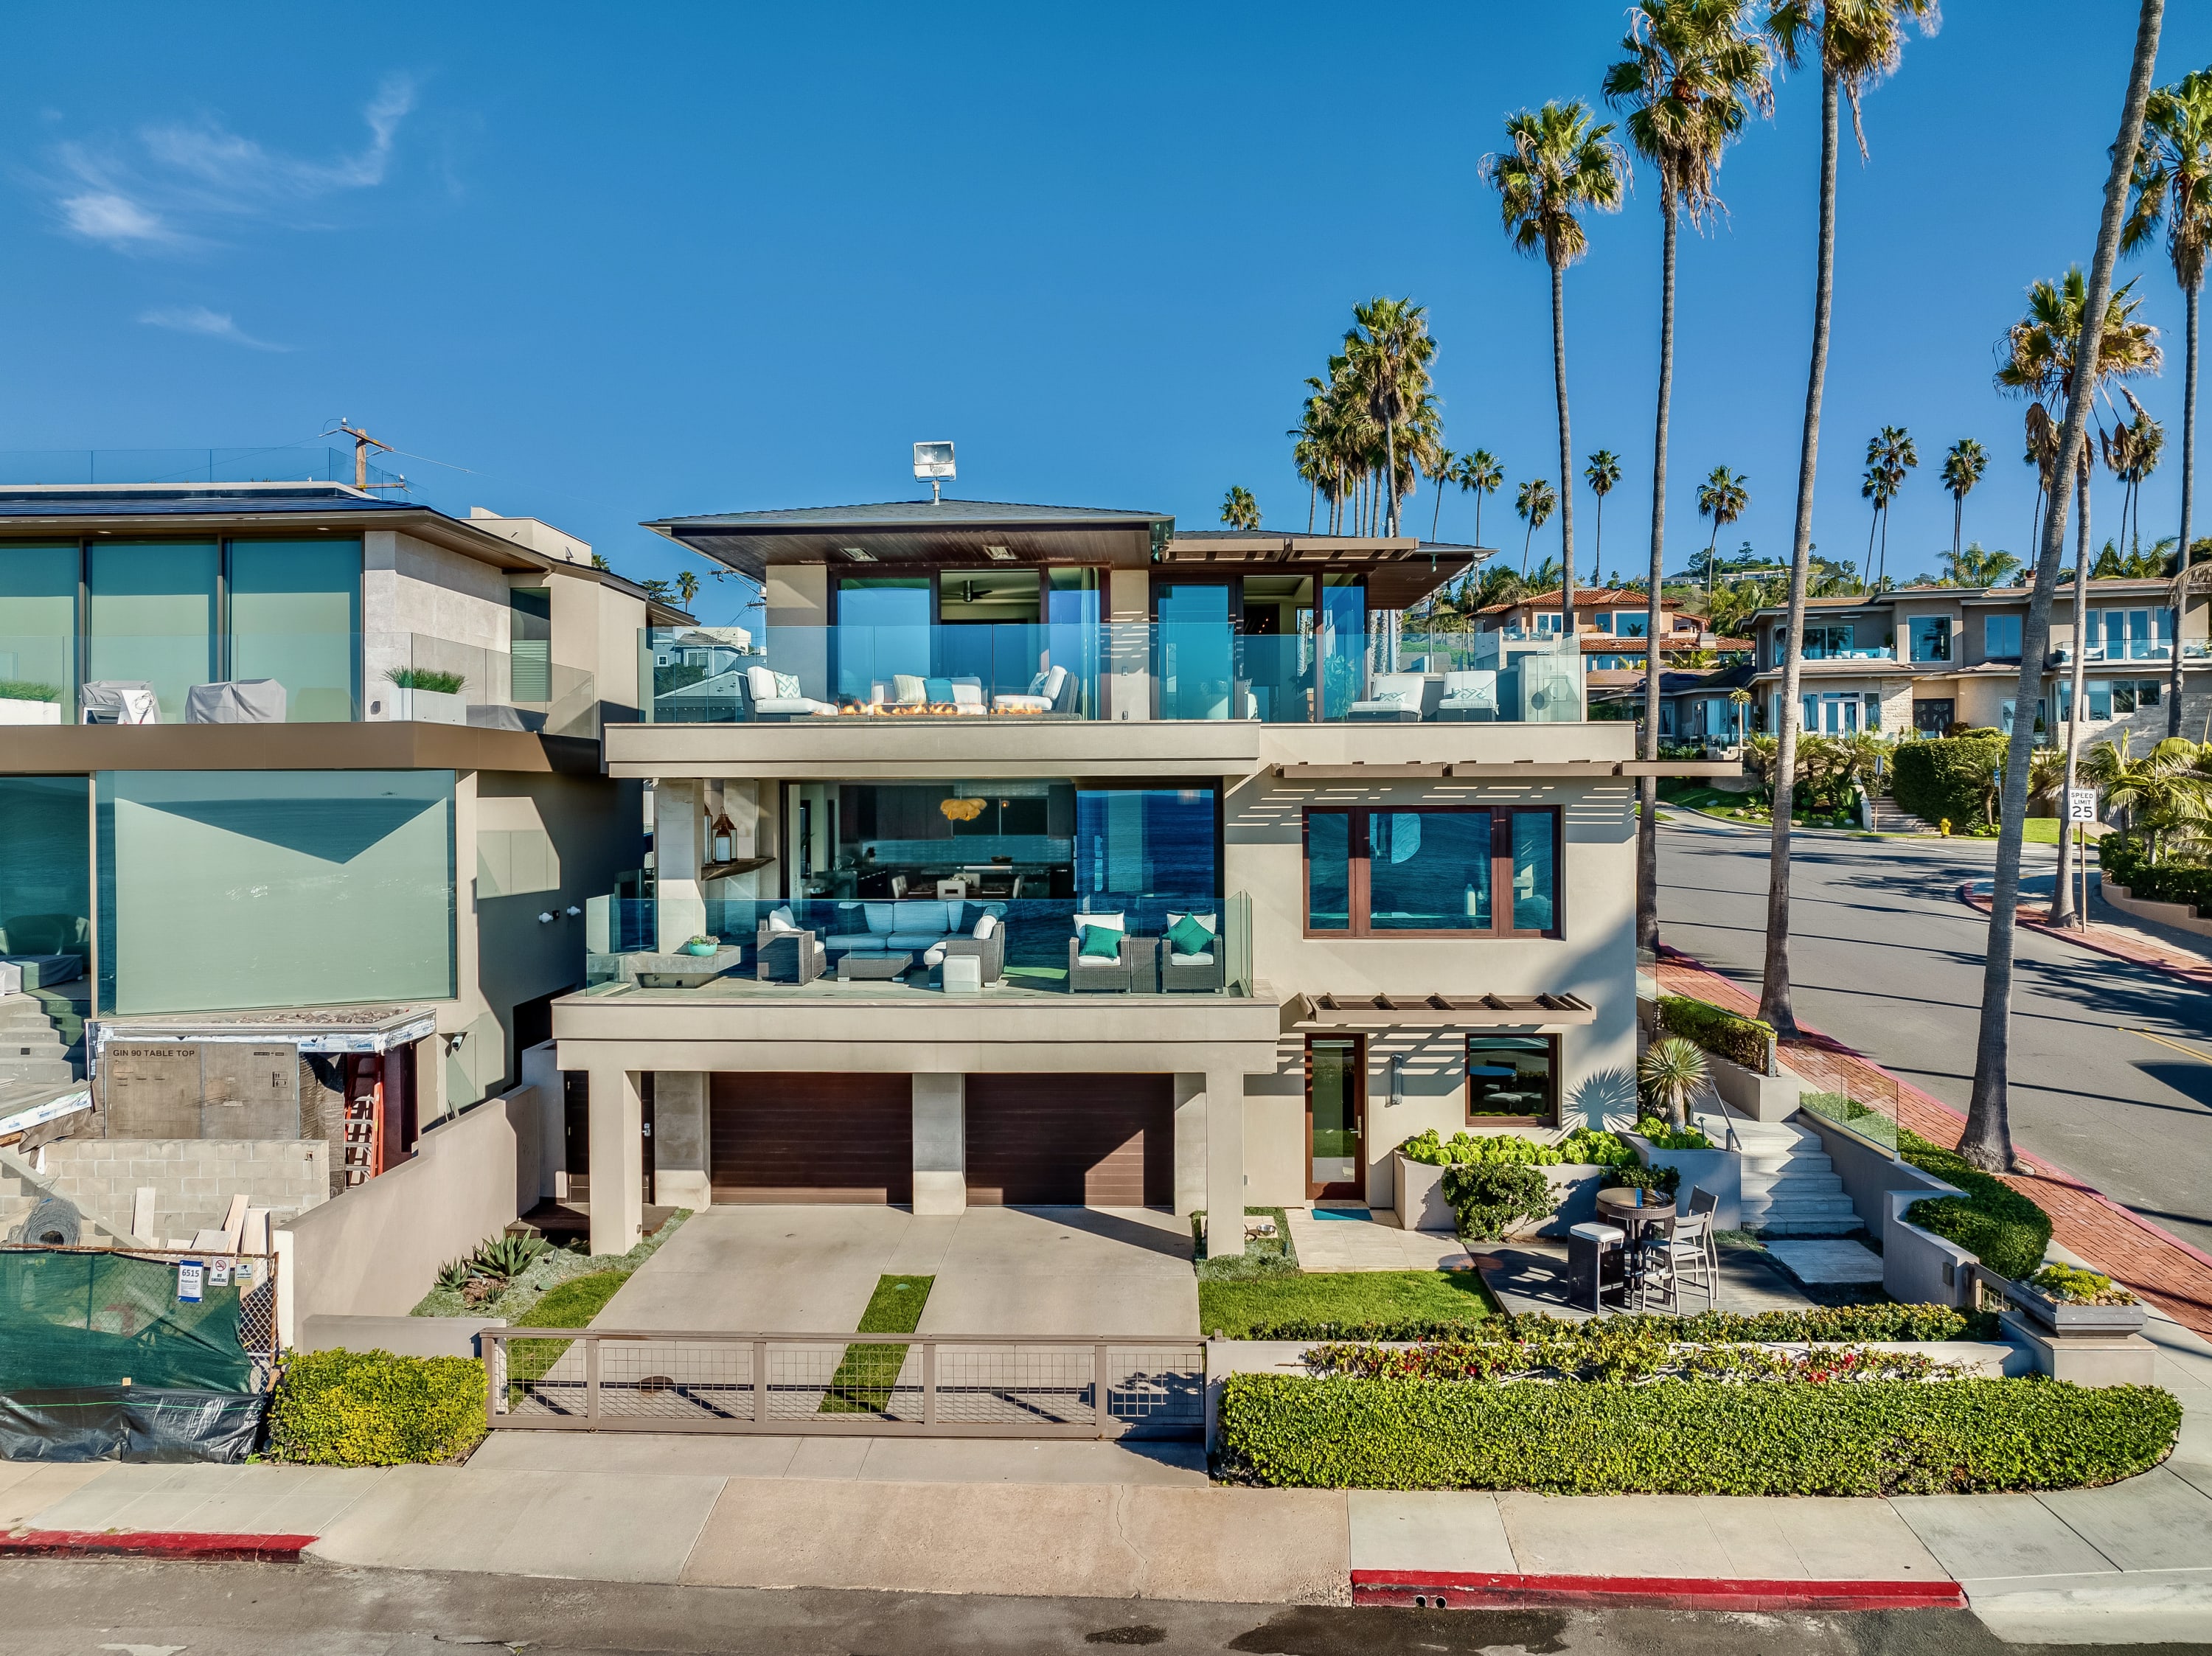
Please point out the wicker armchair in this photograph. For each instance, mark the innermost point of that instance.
(788, 956)
(1118, 976)
(991, 951)
(1190, 974)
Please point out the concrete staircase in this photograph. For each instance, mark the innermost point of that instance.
(1790, 1186)
(31, 1047)
(1888, 819)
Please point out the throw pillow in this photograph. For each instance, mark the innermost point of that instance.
(780, 919)
(937, 692)
(1188, 936)
(786, 687)
(906, 688)
(1101, 942)
(986, 926)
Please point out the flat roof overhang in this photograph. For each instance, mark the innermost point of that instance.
(312, 1029)
(1521, 770)
(336, 517)
(752, 547)
(1401, 570)
(681, 1029)
(1434, 1011)
(378, 745)
(958, 749)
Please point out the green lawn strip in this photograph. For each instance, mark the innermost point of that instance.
(1263, 1256)
(1342, 1304)
(866, 1374)
(2043, 830)
(571, 1304)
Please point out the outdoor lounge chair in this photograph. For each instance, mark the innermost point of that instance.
(1087, 973)
(1470, 697)
(784, 953)
(119, 701)
(236, 702)
(1399, 698)
(936, 695)
(768, 692)
(1201, 973)
(987, 944)
(1047, 693)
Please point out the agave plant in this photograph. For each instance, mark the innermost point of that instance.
(454, 1275)
(509, 1257)
(1671, 1073)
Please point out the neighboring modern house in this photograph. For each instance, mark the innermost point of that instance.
(1930, 659)
(301, 796)
(1698, 704)
(1612, 622)
(1046, 855)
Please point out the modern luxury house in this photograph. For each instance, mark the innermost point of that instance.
(1042, 855)
(1929, 658)
(300, 797)
(1612, 622)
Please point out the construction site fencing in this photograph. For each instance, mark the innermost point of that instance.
(89, 1316)
(868, 1385)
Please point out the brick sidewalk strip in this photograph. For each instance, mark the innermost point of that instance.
(184, 1545)
(1457, 1590)
(2166, 1271)
(2124, 944)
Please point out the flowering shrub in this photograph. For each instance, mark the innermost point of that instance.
(1632, 1355)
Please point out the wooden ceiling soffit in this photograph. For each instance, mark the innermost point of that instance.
(1434, 1011)
(1523, 770)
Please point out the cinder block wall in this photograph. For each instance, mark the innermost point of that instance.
(193, 1178)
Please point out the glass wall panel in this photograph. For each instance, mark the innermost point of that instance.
(1072, 633)
(295, 617)
(1197, 650)
(883, 630)
(530, 642)
(1428, 870)
(37, 625)
(1328, 870)
(225, 889)
(1146, 842)
(1343, 631)
(153, 617)
(1535, 873)
(46, 866)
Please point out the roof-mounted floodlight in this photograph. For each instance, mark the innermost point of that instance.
(998, 553)
(933, 461)
(858, 553)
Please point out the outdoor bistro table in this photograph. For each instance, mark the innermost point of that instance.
(1642, 1218)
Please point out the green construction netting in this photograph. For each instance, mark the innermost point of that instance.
(96, 1318)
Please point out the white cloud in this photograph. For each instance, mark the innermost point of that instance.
(149, 191)
(214, 325)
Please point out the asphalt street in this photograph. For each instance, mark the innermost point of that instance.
(85, 1608)
(2111, 1062)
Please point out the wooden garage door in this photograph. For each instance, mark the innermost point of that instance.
(1097, 1140)
(812, 1138)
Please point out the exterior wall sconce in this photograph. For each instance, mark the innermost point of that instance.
(1397, 1078)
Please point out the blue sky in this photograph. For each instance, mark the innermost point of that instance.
(626, 262)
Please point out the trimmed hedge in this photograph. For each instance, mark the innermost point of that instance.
(1742, 1040)
(1847, 1438)
(373, 1409)
(1993, 1222)
(1945, 777)
(1837, 1324)
(2120, 856)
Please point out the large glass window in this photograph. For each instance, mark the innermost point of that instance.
(1146, 842)
(2001, 638)
(1931, 638)
(2132, 635)
(295, 617)
(1513, 1076)
(1433, 871)
(529, 643)
(1822, 643)
(222, 889)
(153, 617)
(1196, 650)
(46, 867)
(37, 625)
(883, 631)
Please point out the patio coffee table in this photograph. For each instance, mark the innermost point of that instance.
(872, 968)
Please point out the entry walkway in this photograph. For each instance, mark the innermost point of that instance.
(998, 1270)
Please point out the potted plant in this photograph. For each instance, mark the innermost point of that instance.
(702, 946)
(424, 694)
(2067, 1300)
(27, 701)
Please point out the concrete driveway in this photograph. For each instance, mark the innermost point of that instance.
(998, 1270)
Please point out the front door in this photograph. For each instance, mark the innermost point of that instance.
(1336, 1118)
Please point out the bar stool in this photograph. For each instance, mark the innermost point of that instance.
(1596, 1260)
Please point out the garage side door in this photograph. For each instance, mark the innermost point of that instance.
(810, 1137)
(1101, 1141)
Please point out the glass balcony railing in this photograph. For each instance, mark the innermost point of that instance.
(305, 678)
(1029, 946)
(1166, 670)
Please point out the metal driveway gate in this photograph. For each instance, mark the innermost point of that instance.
(869, 1385)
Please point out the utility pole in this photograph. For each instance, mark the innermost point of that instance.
(363, 442)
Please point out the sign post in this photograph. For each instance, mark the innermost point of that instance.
(2081, 812)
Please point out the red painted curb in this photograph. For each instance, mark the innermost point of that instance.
(1454, 1590)
(184, 1545)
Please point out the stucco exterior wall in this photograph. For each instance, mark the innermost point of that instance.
(411, 586)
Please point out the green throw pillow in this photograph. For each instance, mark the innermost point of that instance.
(1101, 942)
(1188, 936)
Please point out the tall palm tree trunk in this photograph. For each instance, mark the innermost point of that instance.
(1313, 500)
(1647, 819)
(1566, 460)
(1437, 516)
(1774, 985)
(1988, 1140)
(1597, 552)
(2188, 484)
(1390, 473)
(2062, 910)
(1958, 521)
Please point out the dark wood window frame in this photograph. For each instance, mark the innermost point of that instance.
(1551, 1116)
(1501, 871)
(1355, 1189)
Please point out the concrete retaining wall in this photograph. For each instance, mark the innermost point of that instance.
(1763, 1098)
(2180, 916)
(375, 1250)
(1869, 1173)
(1920, 1268)
(193, 1180)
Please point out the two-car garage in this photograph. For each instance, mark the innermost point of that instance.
(1030, 1140)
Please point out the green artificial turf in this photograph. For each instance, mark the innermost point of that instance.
(866, 1374)
(571, 1304)
(1342, 1300)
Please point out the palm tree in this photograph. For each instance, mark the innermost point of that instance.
(1964, 463)
(1859, 42)
(1724, 498)
(1533, 506)
(2132, 451)
(1693, 73)
(1561, 165)
(1671, 1074)
(1480, 474)
(1390, 348)
(2040, 350)
(687, 586)
(1239, 510)
(1988, 1140)
(1601, 472)
(1889, 457)
(1438, 467)
(2172, 185)
(1975, 566)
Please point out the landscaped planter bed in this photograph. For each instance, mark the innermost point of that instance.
(1421, 1204)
